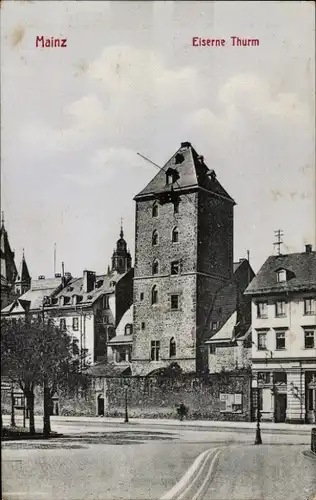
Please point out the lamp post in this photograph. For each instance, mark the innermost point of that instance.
(12, 406)
(126, 408)
(258, 439)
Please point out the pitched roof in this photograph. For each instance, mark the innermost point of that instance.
(301, 268)
(8, 267)
(121, 339)
(104, 369)
(191, 172)
(23, 274)
(105, 283)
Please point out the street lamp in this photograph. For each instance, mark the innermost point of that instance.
(258, 439)
(126, 384)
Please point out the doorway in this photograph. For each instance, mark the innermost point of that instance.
(100, 406)
(280, 407)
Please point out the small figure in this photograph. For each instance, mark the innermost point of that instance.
(182, 411)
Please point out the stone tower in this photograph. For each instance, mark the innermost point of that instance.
(183, 257)
(23, 280)
(121, 258)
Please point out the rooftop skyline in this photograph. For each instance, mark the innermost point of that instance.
(130, 81)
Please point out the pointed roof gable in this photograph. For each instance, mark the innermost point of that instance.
(8, 267)
(23, 275)
(190, 172)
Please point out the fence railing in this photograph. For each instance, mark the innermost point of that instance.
(313, 441)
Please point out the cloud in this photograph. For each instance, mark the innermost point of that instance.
(127, 72)
(104, 166)
(80, 120)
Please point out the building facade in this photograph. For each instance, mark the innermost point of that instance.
(89, 308)
(284, 329)
(183, 257)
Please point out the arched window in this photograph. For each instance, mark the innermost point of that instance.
(128, 329)
(155, 267)
(172, 348)
(154, 295)
(175, 235)
(155, 209)
(155, 238)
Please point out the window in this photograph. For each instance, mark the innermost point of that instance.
(128, 329)
(141, 297)
(280, 340)
(214, 325)
(75, 323)
(262, 310)
(176, 206)
(174, 299)
(155, 209)
(62, 323)
(155, 350)
(155, 267)
(172, 348)
(281, 275)
(143, 325)
(175, 235)
(309, 306)
(264, 377)
(179, 158)
(309, 339)
(105, 302)
(212, 349)
(155, 238)
(169, 178)
(175, 267)
(154, 295)
(66, 300)
(280, 309)
(279, 378)
(262, 341)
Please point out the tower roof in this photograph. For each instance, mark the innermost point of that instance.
(8, 268)
(189, 171)
(23, 275)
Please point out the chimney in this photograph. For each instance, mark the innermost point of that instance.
(88, 281)
(57, 275)
(41, 277)
(308, 248)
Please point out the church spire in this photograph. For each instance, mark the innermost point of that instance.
(122, 232)
(121, 258)
(23, 282)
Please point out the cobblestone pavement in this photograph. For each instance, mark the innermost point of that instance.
(99, 462)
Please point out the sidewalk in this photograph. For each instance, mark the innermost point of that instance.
(204, 424)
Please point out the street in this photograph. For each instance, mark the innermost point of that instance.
(113, 460)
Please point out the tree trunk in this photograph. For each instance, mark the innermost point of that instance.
(47, 408)
(30, 405)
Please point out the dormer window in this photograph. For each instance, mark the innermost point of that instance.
(171, 176)
(281, 275)
(66, 300)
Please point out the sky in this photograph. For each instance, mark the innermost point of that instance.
(130, 81)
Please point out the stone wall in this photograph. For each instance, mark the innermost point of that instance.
(158, 397)
(229, 358)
